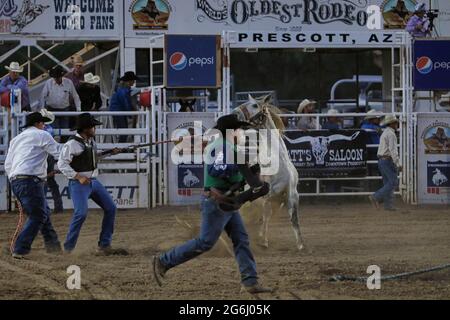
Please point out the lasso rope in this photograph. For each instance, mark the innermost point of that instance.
(18, 228)
(391, 276)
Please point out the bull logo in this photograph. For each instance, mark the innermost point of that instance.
(319, 145)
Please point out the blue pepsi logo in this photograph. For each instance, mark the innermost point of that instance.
(178, 61)
(424, 65)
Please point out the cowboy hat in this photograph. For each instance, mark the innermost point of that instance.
(47, 114)
(56, 72)
(129, 76)
(390, 118)
(230, 121)
(304, 104)
(90, 78)
(14, 67)
(77, 60)
(333, 112)
(85, 121)
(33, 118)
(420, 7)
(372, 114)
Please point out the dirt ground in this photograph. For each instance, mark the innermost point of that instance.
(340, 239)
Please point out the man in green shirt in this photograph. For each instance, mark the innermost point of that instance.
(220, 176)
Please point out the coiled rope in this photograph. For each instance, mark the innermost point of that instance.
(19, 227)
(391, 276)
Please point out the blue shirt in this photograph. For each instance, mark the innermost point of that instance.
(372, 132)
(7, 84)
(331, 126)
(121, 100)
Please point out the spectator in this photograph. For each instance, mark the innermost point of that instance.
(333, 122)
(51, 182)
(307, 123)
(15, 81)
(418, 24)
(371, 124)
(56, 97)
(89, 93)
(121, 101)
(77, 73)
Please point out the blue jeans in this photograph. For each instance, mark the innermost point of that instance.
(390, 183)
(121, 122)
(214, 221)
(30, 193)
(80, 195)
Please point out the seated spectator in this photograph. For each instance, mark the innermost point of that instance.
(15, 81)
(121, 101)
(371, 124)
(89, 93)
(332, 122)
(307, 123)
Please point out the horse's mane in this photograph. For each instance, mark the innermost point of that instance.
(274, 114)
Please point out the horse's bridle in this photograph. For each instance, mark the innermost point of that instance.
(257, 120)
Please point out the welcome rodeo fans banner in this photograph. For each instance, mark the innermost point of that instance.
(319, 154)
(62, 18)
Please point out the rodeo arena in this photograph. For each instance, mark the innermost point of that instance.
(224, 150)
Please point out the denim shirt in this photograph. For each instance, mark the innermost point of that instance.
(121, 100)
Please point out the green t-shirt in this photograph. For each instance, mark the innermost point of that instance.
(218, 166)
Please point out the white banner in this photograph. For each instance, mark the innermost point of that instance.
(272, 23)
(62, 18)
(186, 179)
(3, 193)
(433, 138)
(128, 190)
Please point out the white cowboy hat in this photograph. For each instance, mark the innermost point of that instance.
(390, 118)
(373, 114)
(14, 67)
(90, 78)
(333, 112)
(304, 104)
(48, 114)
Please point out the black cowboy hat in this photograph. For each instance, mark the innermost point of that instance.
(57, 72)
(85, 121)
(230, 121)
(129, 76)
(34, 118)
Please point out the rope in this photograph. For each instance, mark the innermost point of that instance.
(19, 227)
(391, 276)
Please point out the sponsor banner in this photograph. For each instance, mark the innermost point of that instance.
(3, 193)
(62, 18)
(128, 190)
(145, 18)
(432, 65)
(186, 179)
(319, 154)
(433, 158)
(192, 61)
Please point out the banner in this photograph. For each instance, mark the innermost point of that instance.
(62, 18)
(186, 179)
(128, 190)
(433, 158)
(432, 65)
(321, 154)
(192, 61)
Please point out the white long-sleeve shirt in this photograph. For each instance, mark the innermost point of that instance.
(69, 150)
(388, 146)
(57, 96)
(28, 152)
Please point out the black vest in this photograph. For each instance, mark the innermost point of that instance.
(87, 160)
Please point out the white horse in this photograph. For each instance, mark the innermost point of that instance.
(283, 184)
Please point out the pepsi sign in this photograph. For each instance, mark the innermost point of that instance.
(431, 65)
(192, 61)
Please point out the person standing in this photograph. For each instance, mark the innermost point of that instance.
(26, 168)
(121, 101)
(56, 96)
(388, 164)
(89, 93)
(51, 161)
(220, 176)
(77, 73)
(307, 123)
(15, 81)
(418, 25)
(371, 124)
(78, 162)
